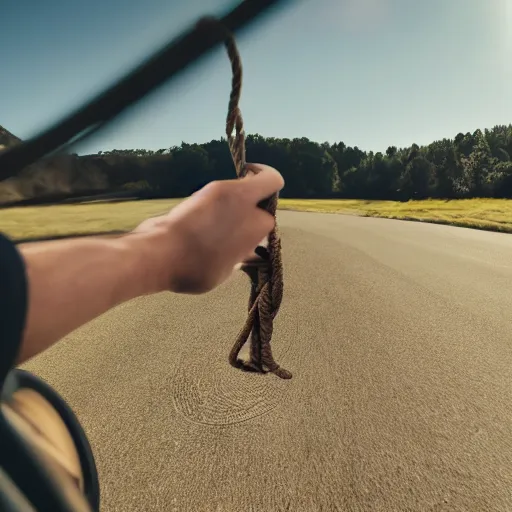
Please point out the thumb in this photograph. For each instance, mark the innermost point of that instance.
(261, 182)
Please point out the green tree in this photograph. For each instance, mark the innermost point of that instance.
(417, 177)
(478, 166)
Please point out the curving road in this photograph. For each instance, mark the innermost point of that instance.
(399, 336)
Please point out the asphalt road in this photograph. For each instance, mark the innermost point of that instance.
(399, 336)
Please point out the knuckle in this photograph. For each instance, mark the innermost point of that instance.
(213, 188)
(219, 190)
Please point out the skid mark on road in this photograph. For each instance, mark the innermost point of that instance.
(208, 393)
(207, 390)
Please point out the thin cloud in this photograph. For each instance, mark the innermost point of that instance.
(355, 15)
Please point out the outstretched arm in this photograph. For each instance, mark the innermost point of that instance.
(70, 282)
(192, 249)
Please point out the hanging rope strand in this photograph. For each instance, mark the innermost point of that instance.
(265, 273)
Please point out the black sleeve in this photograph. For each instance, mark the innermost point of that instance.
(13, 304)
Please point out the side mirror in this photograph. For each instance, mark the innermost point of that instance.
(44, 451)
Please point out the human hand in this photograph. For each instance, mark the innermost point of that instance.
(198, 243)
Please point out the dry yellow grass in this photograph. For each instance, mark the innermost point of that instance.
(489, 214)
(45, 221)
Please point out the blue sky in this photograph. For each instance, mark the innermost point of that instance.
(371, 73)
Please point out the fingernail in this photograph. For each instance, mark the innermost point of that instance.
(256, 168)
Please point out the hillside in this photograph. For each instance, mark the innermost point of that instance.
(62, 174)
(7, 139)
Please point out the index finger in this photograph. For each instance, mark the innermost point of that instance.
(261, 182)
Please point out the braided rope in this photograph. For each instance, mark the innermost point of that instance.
(265, 272)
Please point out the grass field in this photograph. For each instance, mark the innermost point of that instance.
(43, 221)
(488, 214)
(46, 221)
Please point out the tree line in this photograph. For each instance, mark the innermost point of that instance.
(475, 164)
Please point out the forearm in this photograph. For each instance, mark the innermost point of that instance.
(70, 282)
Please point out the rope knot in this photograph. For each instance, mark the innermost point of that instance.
(265, 271)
